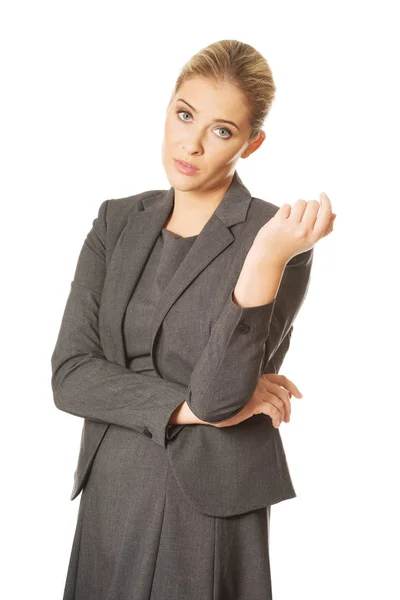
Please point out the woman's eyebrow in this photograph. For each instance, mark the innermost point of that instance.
(214, 120)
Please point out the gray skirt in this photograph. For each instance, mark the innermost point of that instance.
(137, 537)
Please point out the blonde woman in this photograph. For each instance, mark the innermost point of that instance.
(179, 317)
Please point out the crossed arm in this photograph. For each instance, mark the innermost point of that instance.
(86, 384)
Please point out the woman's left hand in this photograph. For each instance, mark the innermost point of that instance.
(293, 230)
(272, 388)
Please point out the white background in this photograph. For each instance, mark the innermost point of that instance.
(84, 92)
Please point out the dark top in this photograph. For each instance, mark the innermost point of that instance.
(167, 254)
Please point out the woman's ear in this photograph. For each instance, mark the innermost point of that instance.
(254, 144)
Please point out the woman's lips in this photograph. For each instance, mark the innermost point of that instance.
(185, 169)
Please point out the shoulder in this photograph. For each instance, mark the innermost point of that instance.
(113, 213)
(118, 209)
(258, 214)
(262, 208)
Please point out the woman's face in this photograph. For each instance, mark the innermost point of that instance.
(193, 135)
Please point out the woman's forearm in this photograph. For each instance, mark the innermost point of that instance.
(259, 280)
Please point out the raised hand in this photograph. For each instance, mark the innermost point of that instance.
(296, 229)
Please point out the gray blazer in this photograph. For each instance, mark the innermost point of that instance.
(221, 471)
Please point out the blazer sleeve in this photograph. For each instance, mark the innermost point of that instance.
(275, 361)
(87, 385)
(292, 292)
(245, 341)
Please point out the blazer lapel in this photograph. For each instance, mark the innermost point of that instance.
(135, 245)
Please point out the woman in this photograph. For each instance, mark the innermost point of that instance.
(180, 300)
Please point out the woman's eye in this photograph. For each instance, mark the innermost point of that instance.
(185, 112)
(225, 129)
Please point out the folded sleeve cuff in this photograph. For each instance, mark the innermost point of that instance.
(257, 318)
(159, 415)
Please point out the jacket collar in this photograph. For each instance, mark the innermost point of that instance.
(231, 210)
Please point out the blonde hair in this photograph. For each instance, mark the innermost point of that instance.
(240, 65)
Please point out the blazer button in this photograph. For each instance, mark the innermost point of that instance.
(147, 432)
(243, 327)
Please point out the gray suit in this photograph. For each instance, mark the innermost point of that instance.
(221, 471)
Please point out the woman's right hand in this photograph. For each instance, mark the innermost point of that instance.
(271, 397)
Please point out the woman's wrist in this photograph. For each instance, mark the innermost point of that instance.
(262, 250)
